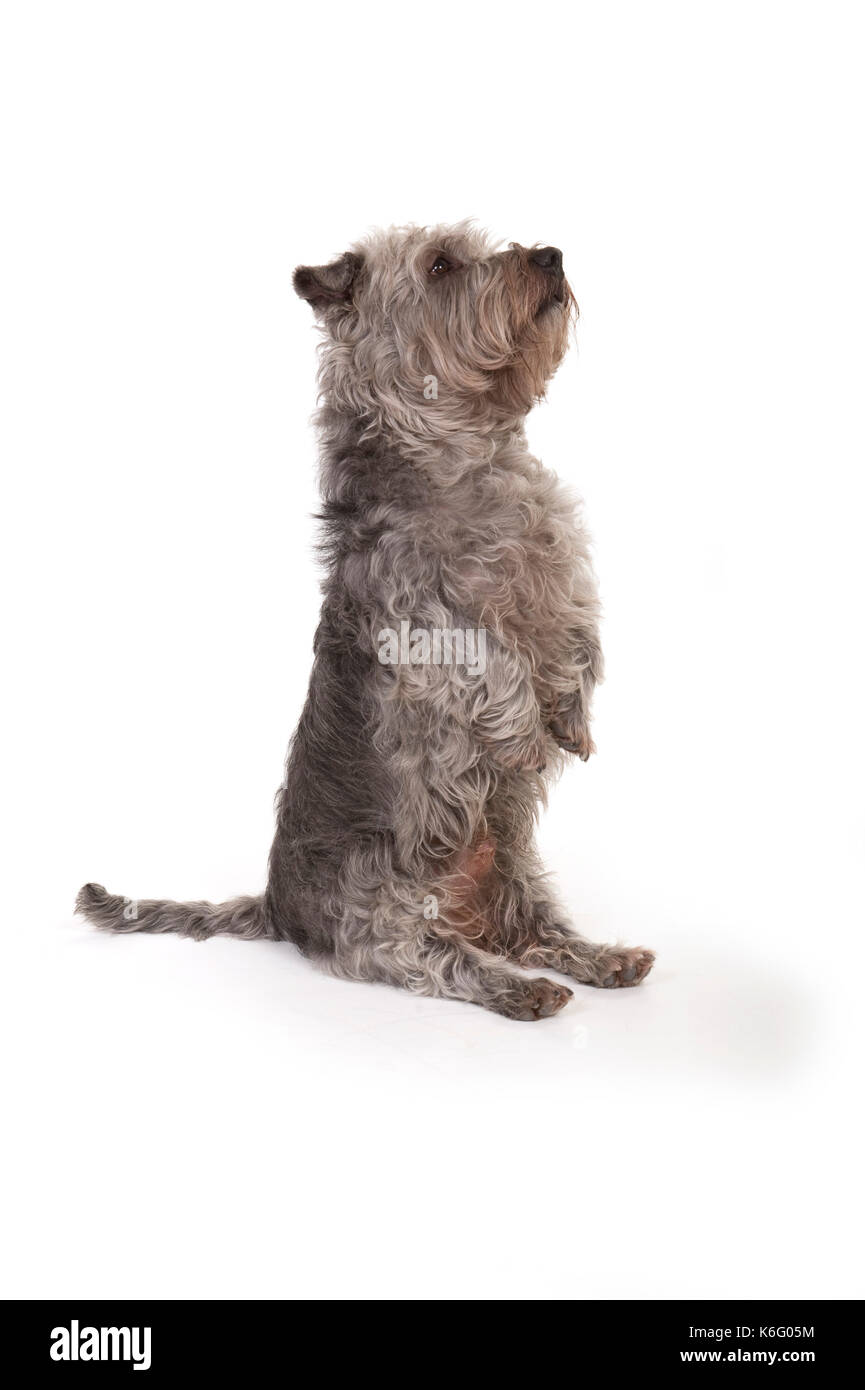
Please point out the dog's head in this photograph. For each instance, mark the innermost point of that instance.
(435, 329)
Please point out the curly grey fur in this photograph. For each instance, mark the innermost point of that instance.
(407, 781)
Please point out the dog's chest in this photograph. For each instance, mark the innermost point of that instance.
(511, 554)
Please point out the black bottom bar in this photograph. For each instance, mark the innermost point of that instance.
(166, 1341)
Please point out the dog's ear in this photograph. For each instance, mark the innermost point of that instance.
(324, 285)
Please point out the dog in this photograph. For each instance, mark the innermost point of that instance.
(404, 846)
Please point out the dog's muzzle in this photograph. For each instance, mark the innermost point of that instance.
(548, 260)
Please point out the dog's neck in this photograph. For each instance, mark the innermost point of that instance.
(360, 457)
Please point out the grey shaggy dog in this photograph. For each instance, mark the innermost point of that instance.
(404, 844)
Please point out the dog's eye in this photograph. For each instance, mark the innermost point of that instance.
(440, 266)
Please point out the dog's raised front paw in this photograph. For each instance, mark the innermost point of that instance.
(571, 732)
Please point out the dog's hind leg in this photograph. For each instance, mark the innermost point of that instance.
(440, 965)
(547, 942)
(405, 935)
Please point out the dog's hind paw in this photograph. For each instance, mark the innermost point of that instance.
(625, 968)
(536, 999)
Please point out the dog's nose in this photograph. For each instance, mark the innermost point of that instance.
(548, 258)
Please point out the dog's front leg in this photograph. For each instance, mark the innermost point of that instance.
(571, 688)
(491, 702)
(506, 714)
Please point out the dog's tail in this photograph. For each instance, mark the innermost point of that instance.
(244, 917)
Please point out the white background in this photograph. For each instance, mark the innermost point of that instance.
(221, 1120)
